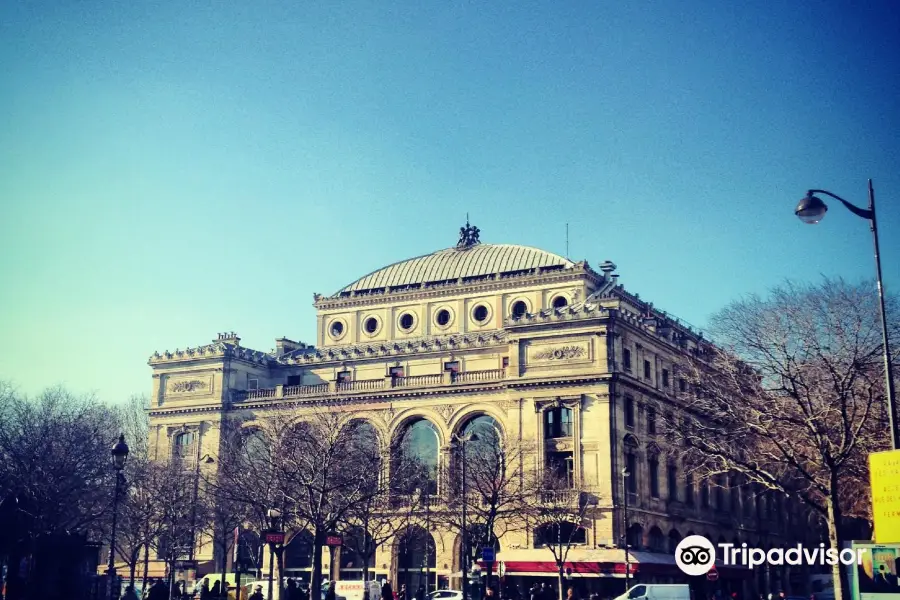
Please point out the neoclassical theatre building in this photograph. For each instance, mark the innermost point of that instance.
(549, 349)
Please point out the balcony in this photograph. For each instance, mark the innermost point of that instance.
(447, 378)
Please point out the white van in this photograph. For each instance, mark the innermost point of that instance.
(353, 589)
(657, 591)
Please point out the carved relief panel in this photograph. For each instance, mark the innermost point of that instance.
(189, 385)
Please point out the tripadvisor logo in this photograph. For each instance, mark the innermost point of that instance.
(696, 555)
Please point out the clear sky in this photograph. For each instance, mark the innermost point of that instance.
(171, 169)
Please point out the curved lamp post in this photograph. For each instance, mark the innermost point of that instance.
(274, 516)
(625, 476)
(811, 210)
(119, 455)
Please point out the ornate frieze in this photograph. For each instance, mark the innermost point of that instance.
(189, 385)
(558, 352)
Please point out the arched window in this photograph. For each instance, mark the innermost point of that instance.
(363, 446)
(298, 556)
(358, 549)
(519, 308)
(558, 422)
(657, 540)
(416, 550)
(553, 534)
(674, 540)
(635, 536)
(415, 458)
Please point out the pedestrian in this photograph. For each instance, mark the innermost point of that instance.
(386, 592)
(570, 594)
(330, 594)
(535, 592)
(204, 589)
(257, 594)
(216, 591)
(130, 594)
(401, 595)
(293, 592)
(158, 591)
(420, 593)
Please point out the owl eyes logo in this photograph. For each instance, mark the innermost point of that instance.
(694, 555)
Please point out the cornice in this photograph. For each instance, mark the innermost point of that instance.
(498, 281)
(215, 350)
(422, 345)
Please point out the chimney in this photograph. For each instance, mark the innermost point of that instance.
(608, 267)
(284, 346)
(229, 337)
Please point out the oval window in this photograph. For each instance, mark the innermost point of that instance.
(337, 329)
(371, 325)
(443, 317)
(480, 314)
(407, 321)
(519, 308)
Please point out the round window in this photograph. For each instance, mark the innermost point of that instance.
(519, 308)
(443, 317)
(480, 314)
(336, 329)
(407, 321)
(560, 302)
(371, 325)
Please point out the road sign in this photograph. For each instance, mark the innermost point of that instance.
(487, 554)
(713, 575)
(333, 540)
(274, 537)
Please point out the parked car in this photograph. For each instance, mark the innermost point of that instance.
(657, 591)
(445, 595)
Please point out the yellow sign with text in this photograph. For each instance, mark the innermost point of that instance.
(884, 470)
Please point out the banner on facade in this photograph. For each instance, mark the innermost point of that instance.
(884, 473)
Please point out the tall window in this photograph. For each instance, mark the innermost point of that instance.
(631, 480)
(682, 385)
(557, 422)
(653, 467)
(665, 377)
(646, 369)
(415, 458)
(672, 481)
(626, 359)
(688, 489)
(704, 493)
(182, 444)
(719, 493)
(629, 411)
(651, 421)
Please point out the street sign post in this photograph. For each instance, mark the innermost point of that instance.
(274, 537)
(884, 471)
(487, 554)
(333, 540)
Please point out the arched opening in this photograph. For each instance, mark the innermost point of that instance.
(560, 302)
(363, 444)
(554, 534)
(298, 556)
(484, 456)
(635, 536)
(674, 540)
(415, 458)
(657, 540)
(519, 309)
(416, 552)
(357, 550)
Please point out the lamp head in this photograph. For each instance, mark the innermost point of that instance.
(120, 453)
(811, 209)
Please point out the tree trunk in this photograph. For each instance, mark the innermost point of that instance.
(838, 572)
(132, 565)
(225, 561)
(315, 586)
(146, 569)
(561, 575)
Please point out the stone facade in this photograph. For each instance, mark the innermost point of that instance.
(536, 333)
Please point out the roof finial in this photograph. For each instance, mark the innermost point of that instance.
(468, 236)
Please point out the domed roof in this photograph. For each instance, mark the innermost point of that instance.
(455, 263)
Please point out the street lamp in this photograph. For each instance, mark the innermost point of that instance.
(274, 516)
(461, 441)
(119, 455)
(625, 475)
(424, 499)
(811, 210)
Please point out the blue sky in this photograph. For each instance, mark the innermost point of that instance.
(169, 170)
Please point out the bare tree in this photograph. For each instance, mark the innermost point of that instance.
(791, 399)
(556, 514)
